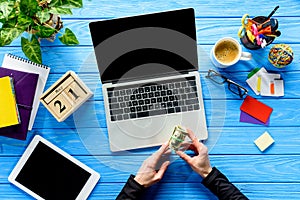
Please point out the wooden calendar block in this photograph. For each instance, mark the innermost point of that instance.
(65, 96)
(59, 89)
(60, 105)
(75, 92)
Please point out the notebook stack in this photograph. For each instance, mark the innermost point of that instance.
(21, 85)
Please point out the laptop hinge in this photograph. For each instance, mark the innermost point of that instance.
(145, 78)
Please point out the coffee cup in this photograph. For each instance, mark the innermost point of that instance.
(227, 51)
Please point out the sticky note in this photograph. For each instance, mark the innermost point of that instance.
(273, 88)
(264, 141)
(256, 109)
(244, 117)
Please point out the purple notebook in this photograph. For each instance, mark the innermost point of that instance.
(25, 85)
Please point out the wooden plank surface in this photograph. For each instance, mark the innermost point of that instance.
(272, 174)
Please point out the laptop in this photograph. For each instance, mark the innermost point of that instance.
(148, 67)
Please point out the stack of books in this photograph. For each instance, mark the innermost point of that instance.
(21, 84)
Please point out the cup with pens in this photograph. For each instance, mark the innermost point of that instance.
(259, 31)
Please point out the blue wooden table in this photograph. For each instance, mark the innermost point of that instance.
(273, 174)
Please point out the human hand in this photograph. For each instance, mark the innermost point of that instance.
(148, 173)
(200, 162)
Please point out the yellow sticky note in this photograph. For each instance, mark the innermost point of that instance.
(264, 141)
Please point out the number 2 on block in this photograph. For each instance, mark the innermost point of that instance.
(60, 105)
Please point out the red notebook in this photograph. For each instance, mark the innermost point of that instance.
(256, 109)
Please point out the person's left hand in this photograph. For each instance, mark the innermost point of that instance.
(148, 173)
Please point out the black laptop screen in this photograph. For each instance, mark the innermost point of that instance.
(146, 45)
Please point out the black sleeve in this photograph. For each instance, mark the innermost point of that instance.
(131, 190)
(218, 184)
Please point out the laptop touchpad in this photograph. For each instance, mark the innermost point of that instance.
(143, 128)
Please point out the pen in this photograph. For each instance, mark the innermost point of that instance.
(258, 86)
(272, 13)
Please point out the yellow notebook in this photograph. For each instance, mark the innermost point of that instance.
(9, 114)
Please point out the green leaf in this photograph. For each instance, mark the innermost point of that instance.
(14, 13)
(66, 3)
(10, 23)
(32, 49)
(43, 15)
(61, 11)
(24, 22)
(55, 3)
(7, 35)
(6, 8)
(68, 38)
(44, 32)
(29, 7)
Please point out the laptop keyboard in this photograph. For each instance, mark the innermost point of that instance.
(159, 98)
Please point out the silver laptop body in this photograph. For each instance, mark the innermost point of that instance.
(150, 81)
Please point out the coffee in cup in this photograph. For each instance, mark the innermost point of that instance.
(226, 52)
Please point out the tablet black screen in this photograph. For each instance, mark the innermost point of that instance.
(52, 176)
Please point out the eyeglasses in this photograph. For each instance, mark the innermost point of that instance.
(232, 86)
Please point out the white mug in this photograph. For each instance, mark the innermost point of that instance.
(226, 52)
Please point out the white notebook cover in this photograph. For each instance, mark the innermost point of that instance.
(17, 63)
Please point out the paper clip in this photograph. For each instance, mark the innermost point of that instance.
(251, 37)
(244, 26)
(256, 34)
(263, 43)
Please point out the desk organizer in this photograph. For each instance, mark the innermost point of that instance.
(65, 96)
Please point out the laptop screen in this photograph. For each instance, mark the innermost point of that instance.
(150, 45)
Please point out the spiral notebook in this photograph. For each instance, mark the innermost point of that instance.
(17, 63)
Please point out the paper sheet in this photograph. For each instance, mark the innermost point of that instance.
(278, 88)
(266, 78)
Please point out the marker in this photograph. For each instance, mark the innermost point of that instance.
(258, 85)
(272, 87)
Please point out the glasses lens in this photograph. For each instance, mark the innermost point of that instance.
(216, 77)
(236, 89)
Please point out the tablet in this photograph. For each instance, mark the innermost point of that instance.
(46, 172)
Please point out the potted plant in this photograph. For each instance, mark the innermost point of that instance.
(39, 19)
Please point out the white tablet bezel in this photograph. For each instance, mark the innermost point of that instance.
(86, 190)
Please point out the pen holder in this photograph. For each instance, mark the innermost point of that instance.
(246, 37)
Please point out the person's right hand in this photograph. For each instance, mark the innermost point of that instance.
(200, 162)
